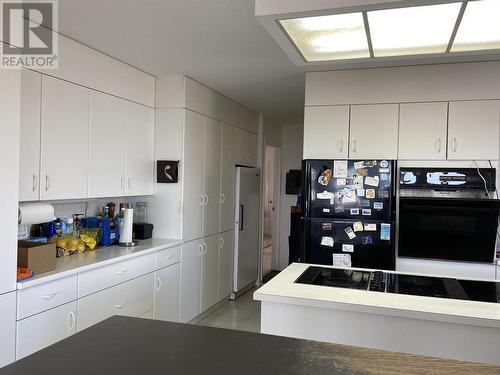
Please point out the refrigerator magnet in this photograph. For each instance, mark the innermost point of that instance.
(384, 170)
(340, 168)
(365, 202)
(384, 177)
(347, 248)
(366, 240)
(360, 192)
(339, 209)
(340, 182)
(326, 226)
(384, 164)
(326, 210)
(341, 260)
(358, 226)
(358, 182)
(325, 195)
(350, 233)
(354, 211)
(359, 165)
(325, 177)
(362, 172)
(372, 181)
(370, 193)
(366, 212)
(327, 241)
(378, 205)
(370, 227)
(383, 194)
(385, 232)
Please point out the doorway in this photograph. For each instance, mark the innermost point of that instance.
(270, 244)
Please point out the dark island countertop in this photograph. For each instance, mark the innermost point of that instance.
(127, 346)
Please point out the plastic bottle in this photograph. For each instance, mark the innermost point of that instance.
(70, 227)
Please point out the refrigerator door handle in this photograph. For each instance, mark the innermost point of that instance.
(242, 208)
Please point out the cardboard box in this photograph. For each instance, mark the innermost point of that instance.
(40, 257)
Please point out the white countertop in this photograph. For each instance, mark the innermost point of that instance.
(282, 289)
(102, 256)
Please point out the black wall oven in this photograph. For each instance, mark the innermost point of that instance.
(448, 214)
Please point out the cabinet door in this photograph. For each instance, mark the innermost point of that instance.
(140, 149)
(422, 131)
(65, 140)
(473, 131)
(228, 174)
(226, 241)
(7, 328)
(44, 329)
(193, 199)
(211, 174)
(374, 131)
(29, 151)
(326, 132)
(241, 154)
(108, 117)
(251, 147)
(210, 272)
(190, 280)
(167, 293)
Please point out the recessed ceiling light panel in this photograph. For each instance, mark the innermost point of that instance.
(480, 27)
(413, 30)
(333, 37)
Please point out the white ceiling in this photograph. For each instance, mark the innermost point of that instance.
(217, 42)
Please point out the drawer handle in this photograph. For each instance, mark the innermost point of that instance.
(221, 242)
(49, 296)
(158, 283)
(222, 198)
(121, 305)
(72, 320)
(205, 248)
(168, 257)
(122, 272)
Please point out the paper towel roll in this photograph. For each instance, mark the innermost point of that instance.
(35, 213)
(126, 231)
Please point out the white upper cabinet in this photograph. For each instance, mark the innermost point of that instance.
(140, 150)
(211, 174)
(108, 116)
(326, 132)
(193, 195)
(210, 272)
(65, 140)
(246, 148)
(422, 131)
(227, 179)
(374, 131)
(473, 132)
(29, 152)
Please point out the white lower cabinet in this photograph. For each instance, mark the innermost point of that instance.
(210, 272)
(44, 329)
(226, 241)
(7, 328)
(190, 280)
(167, 293)
(132, 298)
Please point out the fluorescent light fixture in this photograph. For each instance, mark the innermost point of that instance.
(413, 30)
(480, 27)
(333, 37)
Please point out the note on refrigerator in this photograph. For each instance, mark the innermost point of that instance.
(372, 181)
(340, 168)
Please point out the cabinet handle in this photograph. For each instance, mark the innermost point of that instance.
(121, 305)
(353, 145)
(158, 283)
(222, 198)
(202, 199)
(72, 320)
(438, 144)
(221, 242)
(201, 249)
(205, 248)
(340, 145)
(47, 182)
(34, 182)
(206, 199)
(454, 145)
(49, 296)
(122, 272)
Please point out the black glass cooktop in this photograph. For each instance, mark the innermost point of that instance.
(441, 287)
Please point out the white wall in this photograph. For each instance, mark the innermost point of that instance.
(291, 158)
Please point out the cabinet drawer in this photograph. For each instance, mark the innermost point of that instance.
(167, 257)
(44, 329)
(46, 296)
(108, 276)
(132, 298)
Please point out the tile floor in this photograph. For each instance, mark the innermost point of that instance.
(242, 314)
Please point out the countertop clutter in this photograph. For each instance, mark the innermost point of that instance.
(134, 346)
(71, 265)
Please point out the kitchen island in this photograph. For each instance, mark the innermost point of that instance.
(439, 327)
(125, 346)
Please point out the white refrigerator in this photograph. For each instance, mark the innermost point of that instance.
(246, 229)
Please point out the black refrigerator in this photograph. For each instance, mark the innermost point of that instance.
(348, 213)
